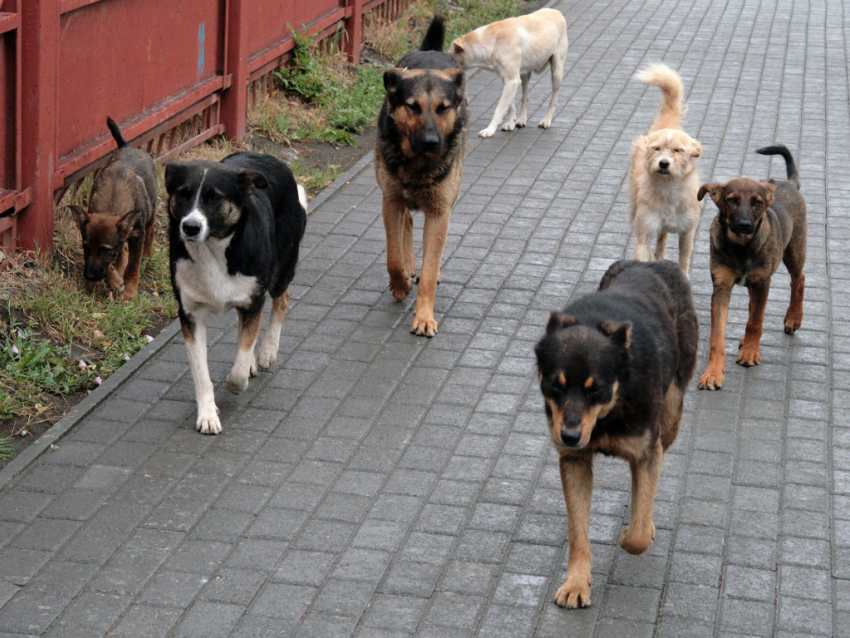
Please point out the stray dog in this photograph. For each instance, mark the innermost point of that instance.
(614, 367)
(513, 49)
(118, 228)
(663, 178)
(758, 225)
(234, 232)
(422, 130)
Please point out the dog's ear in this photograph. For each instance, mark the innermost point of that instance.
(457, 47)
(175, 173)
(696, 149)
(558, 320)
(620, 333)
(715, 190)
(249, 180)
(80, 215)
(392, 78)
(126, 223)
(458, 77)
(769, 193)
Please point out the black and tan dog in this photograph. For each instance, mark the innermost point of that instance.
(614, 367)
(118, 228)
(758, 225)
(422, 131)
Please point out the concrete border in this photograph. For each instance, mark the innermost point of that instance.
(64, 425)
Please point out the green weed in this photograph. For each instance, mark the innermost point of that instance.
(314, 179)
(33, 369)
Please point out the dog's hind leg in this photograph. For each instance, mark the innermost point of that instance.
(640, 533)
(577, 481)
(522, 118)
(794, 260)
(661, 246)
(507, 100)
(557, 67)
(195, 336)
(270, 344)
(671, 416)
(245, 365)
(749, 344)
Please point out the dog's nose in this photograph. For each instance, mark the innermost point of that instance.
(743, 227)
(570, 438)
(190, 228)
(431, 143)
(664, 165)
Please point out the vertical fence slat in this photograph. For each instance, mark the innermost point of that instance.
(39, 61)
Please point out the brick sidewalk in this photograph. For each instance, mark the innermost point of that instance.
(376, 484)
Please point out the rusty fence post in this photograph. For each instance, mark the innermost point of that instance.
(39, 62)
(353, 30)
(234, 99)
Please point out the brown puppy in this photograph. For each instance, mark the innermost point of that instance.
(118, 228)
(758, 225)
(422, 130)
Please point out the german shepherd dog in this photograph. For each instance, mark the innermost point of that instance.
(422, 131)
(118, 228)
(758, 224)
(234, 233)
(614, 366)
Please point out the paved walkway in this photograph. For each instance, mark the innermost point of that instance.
(376, 484)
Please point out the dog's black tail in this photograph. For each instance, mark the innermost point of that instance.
(790, 166)
(116, 132)
(435, 37)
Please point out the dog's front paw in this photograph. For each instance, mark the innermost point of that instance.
(236, 383)
(637, 542)
(400, 293)
(129, 292)
(545, 123)
(521, 122)
(573, 595)
(748, 356)
(711, 379)
(267, 356)
(792, 323)
(487, 132)
(510, 125)
(424, 327)
(208, 421)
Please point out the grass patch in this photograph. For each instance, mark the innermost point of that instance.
(394, 39)
(318, 97)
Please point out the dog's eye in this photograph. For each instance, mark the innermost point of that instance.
(656, 148)
(105, 250)
(442, 108)
(414, 107)
(210, 197)
(595, 392)
(733, 201)
(755, 203)
(677, 150)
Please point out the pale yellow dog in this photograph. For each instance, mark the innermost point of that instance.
(514, 49)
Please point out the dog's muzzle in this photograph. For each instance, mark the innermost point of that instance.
(193, 227)
(663, 167)
(745, 227)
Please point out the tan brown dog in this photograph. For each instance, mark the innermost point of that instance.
(118, 228)
(663, 177)
(422, 130)
(514, 49)
(758, 225)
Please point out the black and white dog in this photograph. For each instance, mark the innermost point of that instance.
(235, 228)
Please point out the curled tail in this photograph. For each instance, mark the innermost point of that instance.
(790, 166)
(435, 37)
(671, 110)
(116, 132)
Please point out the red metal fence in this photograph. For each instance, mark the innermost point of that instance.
(172, 74)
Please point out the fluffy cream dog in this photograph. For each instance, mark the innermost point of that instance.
(513, 49)
(664, 178)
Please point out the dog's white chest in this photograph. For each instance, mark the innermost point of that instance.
(205, 282)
